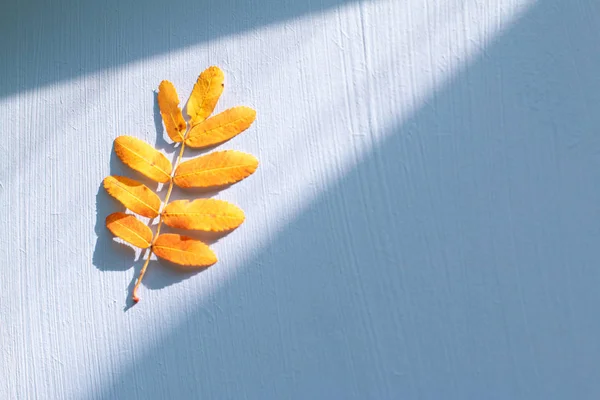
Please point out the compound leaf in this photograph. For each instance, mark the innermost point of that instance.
(130, 229)
(144, 158)
(168, 103)
(215, 169)
(221, 127)
(183, 250)
(205, 94)
(134, 195)
(203, 214)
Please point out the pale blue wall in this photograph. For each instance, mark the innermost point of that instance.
(425, 223)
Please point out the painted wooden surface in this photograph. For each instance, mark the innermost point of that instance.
(425, 222)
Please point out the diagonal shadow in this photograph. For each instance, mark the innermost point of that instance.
(43, 42)
(458, 260)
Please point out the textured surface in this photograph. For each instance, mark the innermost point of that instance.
(425, 222)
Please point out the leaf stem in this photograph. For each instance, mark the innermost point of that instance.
(134, 295)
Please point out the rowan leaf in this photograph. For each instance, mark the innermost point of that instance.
(215, 169)
(144, 158)
(168, 103)
(203, 214)
(130, 229)
(205, 94)
(183, 250)
(221, 127)
(134, 195)
(212, 170)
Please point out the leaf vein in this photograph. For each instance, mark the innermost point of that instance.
(150, 163)
(169, 213)
(134, 232)
(174, 249)
(223, 125)
(117, 183)
(213, 169)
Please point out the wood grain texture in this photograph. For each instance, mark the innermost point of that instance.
(424, 223)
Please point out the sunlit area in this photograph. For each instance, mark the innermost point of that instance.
(421, 224)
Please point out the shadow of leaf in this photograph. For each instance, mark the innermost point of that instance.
(137, 267)
(195, 193)
(108, 254)
(209, 238)
(160, 143)
(112, 256)
(117, 167)
(162, 273)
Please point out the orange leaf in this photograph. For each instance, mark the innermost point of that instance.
(215, 169)
(221, 127)
(203, 214)
(183, 250)
(130, 229)
(134, 195)
(144, 158)
(206, 93)
(168, 103)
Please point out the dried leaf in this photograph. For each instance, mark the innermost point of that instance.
(206, 93)
(215, 169)
(168, 103)
(183, 250)
(212, 170)
(221, 127)
(203, 214)
(134, 195)
(144, 158)
(130, 229)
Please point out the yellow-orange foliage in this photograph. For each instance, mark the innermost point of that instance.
(203, 215)
(130, 229)
(168, 103)
(134, 195)
(221, 127)
(183, 250)
(215, 169)
(206, 93)
(144, 158)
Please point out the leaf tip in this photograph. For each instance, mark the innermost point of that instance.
(165, 83)
(106, 182)
(215, 70)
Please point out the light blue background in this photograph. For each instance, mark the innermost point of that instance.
(425, 222)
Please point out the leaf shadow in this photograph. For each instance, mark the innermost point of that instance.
(118, 168)
(200, 151)
(160, 143)
(195, 193)
(109, 255)
(162, 273)
(209, 238)
(137, 267)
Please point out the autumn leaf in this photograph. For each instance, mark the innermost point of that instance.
(212, 170)
(130, 229)
(168, 103)
(203, 214)
(144, 158)
(215, 169)
(183, 250)
(134, 195)
(205, 94)
(221, 127)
